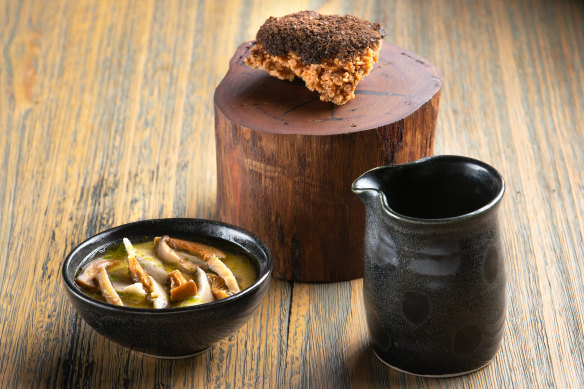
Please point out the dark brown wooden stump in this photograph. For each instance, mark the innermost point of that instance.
(286, 160)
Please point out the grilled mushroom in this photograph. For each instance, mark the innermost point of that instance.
(210, 255)
(218, 287)
(106, 288)
(137, 273)
(162, 249)
(88, 278)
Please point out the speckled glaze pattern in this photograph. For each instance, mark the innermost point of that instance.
(434, 288)
(173, 332)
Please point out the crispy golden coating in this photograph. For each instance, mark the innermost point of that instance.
(334, 79)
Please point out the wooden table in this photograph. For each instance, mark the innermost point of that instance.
(106, 117)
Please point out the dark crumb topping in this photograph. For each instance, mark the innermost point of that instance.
(315, 37)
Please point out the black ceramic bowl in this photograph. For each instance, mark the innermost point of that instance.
(171, 332)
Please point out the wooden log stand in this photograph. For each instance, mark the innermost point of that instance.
(286, 160)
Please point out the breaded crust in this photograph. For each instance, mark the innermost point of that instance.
(330, 53)
(335, 80)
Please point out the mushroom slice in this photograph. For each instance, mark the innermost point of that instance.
(158, 295)
(88, 279)
(184, 291)
(223, 271)
(199, 249)
(164, 252)
(194, 259)
(180, 288)
(135, 289)
(176, 279)
(218, 287)
(209, 254)
(137, 273)
(204, 287)
(153, 267)
(106, 288)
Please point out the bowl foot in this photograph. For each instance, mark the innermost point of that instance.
(177, 356)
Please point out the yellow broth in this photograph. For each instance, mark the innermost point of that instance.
(241, 266)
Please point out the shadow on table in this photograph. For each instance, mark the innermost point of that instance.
(366, 370)
(106, 364)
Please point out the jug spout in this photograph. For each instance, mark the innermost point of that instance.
(369, 184)
(438, 189)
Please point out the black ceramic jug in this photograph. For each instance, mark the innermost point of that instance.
(434, 277)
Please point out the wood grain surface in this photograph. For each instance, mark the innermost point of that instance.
(106, 117)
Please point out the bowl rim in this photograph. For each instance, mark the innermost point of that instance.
(75, 291)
